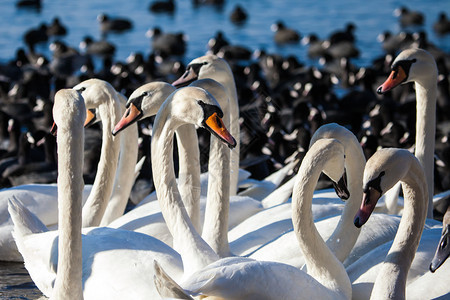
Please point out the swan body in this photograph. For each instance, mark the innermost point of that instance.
(106, 263)
(383, 170)
(418, 66)
(242, 278)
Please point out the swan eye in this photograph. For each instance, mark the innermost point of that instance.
(81, 89)
(145, 94)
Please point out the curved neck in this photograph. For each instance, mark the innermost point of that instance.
(320, 261)
(195, 252)
(426, 94)
(346, 233)
(215, 227)
(97, 201)
(125, 175)
(70, 186)
(189, 172)
(391, 280)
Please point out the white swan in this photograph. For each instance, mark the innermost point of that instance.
(214, 67)
(259, 234)
(418, 66)
(41, 199)
(116, 264)
(244, 278)
(110, 195)
(195, 106)
(100, 95)
(383, 170)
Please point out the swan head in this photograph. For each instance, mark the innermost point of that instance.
(214, 88)
(334, 168)
(68, 109)
(383, 170)
(208, 66)
(95, 92)
(196, 106)
(410, 65)
(144, 102)
(443, 250)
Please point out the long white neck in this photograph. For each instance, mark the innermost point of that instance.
(346, 233)
(321, 262)
(235, 132)
(215, 227)
(391, 280)
(426, 93)
(97, 201)
(195, 252)
(70, 186)
(189, 172)
(230, 86)
(125, 175)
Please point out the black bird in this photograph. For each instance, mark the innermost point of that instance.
(167, 6)
(108, 24)
(238, 15)
(442, 24)
(283, 34)
(409, 17)
(56, 28)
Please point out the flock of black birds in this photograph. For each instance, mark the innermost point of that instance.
(282, 100)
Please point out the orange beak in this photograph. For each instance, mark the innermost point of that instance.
(90, 117)
(395, 78)
(131, 115)
(215, 125)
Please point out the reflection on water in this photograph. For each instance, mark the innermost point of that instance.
(15, 283)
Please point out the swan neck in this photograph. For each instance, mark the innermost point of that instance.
(346, 233)
(215, 227)
(195, 252)
(426, 94)
(125, 175)
(97, 201)
(189, 172)
(320, 261)
(70, 148)
(392, 278)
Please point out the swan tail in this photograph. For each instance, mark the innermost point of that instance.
(166, 286)
(25, 222)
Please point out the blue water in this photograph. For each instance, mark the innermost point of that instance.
(200, 24)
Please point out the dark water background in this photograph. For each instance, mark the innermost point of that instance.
(201, 23)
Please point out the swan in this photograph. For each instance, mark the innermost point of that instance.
(98, 94)
(383, 170)
(189, 105)
(144, 102)
(41, 199)
(115, 264)
(258, 235)
(418, 66)
(214, 67)
(110, 195)
(245, 278)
